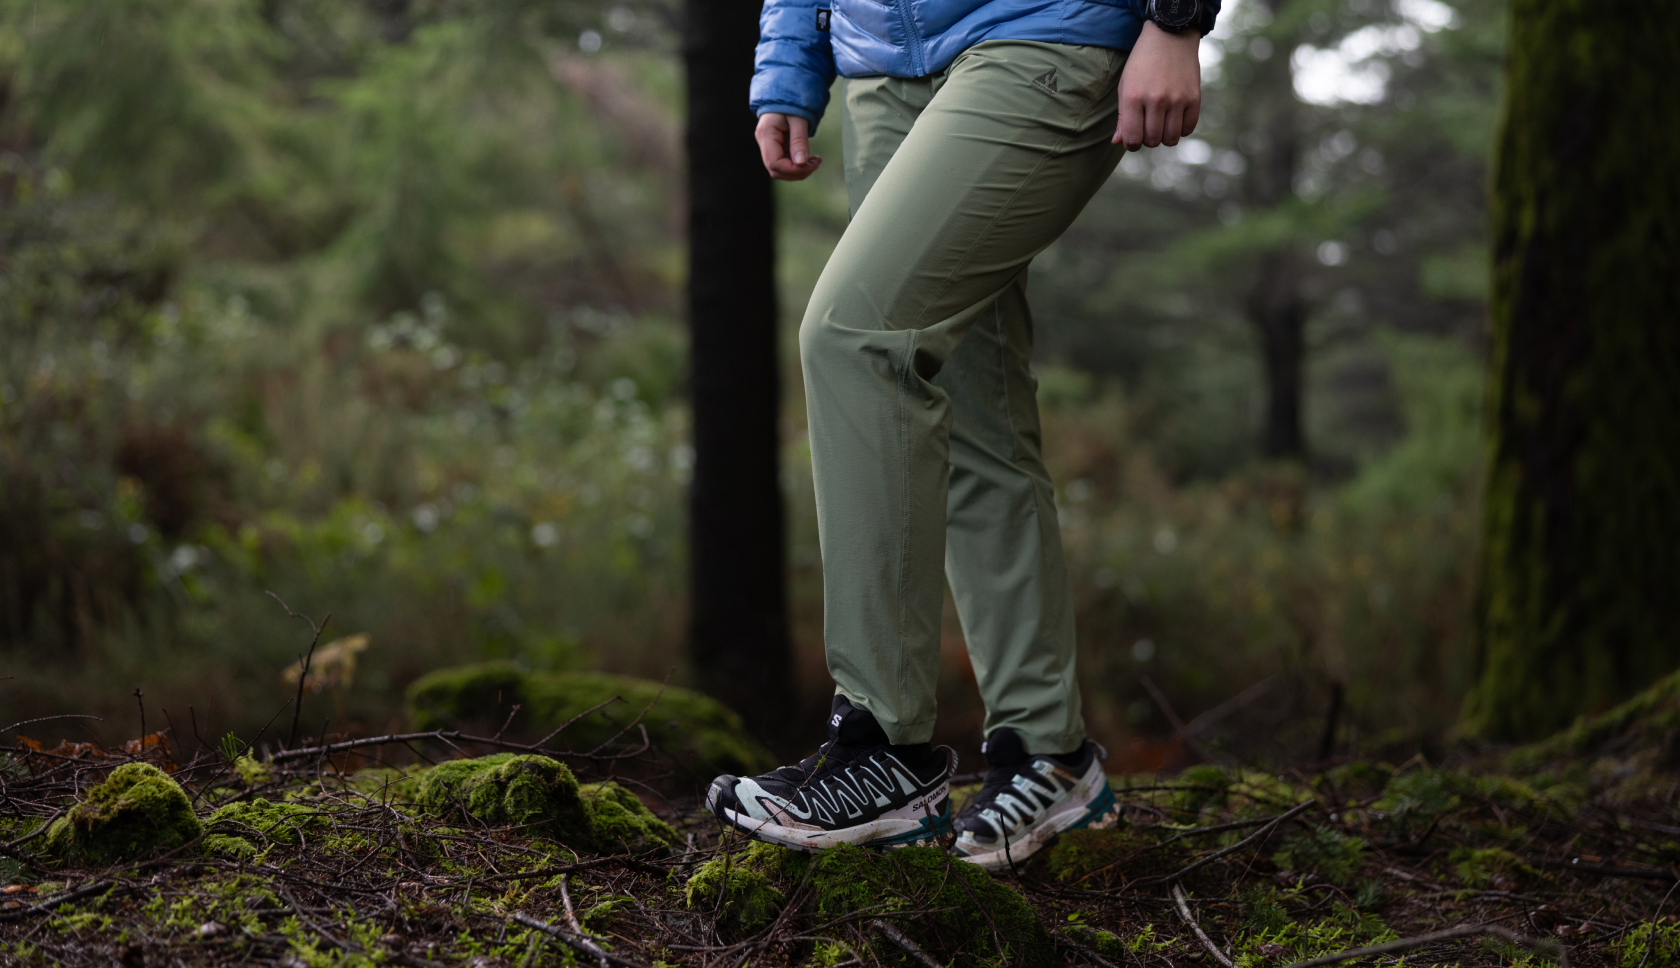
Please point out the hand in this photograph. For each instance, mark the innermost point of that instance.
(784, 143)
(1160, 89)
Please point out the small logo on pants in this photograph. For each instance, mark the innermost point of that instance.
(1046, 81)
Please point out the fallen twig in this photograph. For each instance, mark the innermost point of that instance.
(1603, 870)
(1184, 912)
(566, 937)
(588, 944)
(909, 947)
(448, 736)
(1207, 859)
(1554, 951)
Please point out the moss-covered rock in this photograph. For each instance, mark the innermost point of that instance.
(137, 812)
(954, 910)
(542, 797)
(737, 888)
(696, 728)
(618, 821)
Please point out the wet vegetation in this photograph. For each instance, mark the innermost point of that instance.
(170, 852)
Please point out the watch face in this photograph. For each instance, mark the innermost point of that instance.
(1175, 13)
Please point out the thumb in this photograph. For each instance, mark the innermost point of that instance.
(799, 142)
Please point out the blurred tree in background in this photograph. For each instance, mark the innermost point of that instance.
(1580, 569)
(379, 305)
(738, 563)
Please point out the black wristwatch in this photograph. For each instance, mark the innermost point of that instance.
(1174, 16)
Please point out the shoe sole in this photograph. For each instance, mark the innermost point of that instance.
(916, 824)
(1090, 806)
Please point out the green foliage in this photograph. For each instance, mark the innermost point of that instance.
(1476, 867)
(1652, 944)
(1261, 911)
(696, 727)
(138, 811)
(1324, 851)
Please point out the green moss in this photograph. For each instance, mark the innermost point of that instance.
(950, 908)
(387, 783)
(1646, 724)
(946, 906)
(229, 846)
(543, 798)
(137, 812)
(1204, 786)
(621, 822)
(254, 772)
(1081, 853)
(1477, 867)
(694, 727)
(737, 889)
(535, 793)
(1658, 939)
(261, 821)
(1323, 851)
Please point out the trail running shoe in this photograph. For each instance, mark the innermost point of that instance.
(856, 789)
(1026, 800)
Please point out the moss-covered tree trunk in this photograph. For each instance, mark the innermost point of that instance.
(1580, 587)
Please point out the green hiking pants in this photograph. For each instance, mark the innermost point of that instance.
(921, 404)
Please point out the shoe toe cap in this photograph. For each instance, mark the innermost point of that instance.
(722, 796)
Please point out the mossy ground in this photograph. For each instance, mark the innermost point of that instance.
(700, 732)
(431, 865)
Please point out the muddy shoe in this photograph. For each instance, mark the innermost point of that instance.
(856, 789)
(1027, 799)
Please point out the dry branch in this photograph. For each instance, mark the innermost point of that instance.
(1184, 912)
(909, 947)
(1554, 951)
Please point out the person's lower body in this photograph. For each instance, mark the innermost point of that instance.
(924, 426)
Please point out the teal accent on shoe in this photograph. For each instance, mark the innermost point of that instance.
(1102, 805)
(935, 829)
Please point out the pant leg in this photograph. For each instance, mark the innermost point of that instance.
(1003, 552)
(1011, 146)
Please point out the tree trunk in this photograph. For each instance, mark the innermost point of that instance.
(1579, 601)
(1275, 306)
(738, 600)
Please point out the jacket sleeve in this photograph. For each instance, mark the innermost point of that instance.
(794, 65)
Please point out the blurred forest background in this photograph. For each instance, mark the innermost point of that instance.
(377, 305)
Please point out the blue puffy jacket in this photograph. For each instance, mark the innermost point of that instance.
(802, 43)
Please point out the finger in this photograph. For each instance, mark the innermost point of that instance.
(1154, 116)
(1130, 131)
(785, 170)
(1172, 125)
(799, 140)
(769, 136)
(1192, 114)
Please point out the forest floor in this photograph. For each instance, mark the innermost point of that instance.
(507, 860)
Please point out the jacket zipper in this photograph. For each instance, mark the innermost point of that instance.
(912, 39)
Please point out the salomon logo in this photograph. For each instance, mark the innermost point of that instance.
(835, 721)
(822, 20)
(1046, 81)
